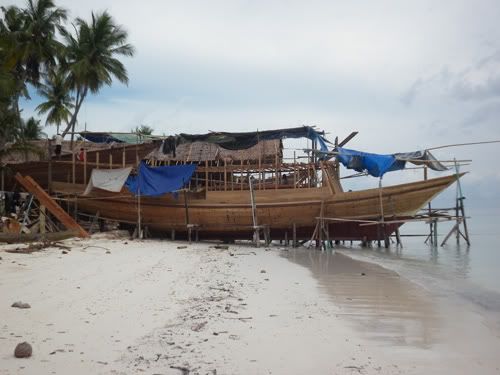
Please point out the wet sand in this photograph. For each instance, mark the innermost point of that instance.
(149, 307)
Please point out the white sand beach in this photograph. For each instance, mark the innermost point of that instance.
(115, 306)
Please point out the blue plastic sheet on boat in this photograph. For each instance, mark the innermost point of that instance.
(155, 181)
(378, 164)
(375, 164)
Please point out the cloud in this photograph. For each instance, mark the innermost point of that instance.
(484, 115)
(433, 82)
(480, 81)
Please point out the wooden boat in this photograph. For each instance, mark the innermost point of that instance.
(235, 190)
(228, 214)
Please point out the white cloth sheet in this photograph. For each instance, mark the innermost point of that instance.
(107, 179)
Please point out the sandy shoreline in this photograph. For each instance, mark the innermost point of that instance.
(149, 307)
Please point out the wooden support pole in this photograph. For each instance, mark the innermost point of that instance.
(110, 160)
(294, 170)
(231, 174)
(276, 171)
(49, 167)
(186, 207)
(123, 157)
(260, 168)
(73, 167)
(42, 220)
(429, 206)
(398, 238)
(464, 220)
(84, 166)
(225, 175)
(206, 175)
(97, 160)
(435, 232)
(294, 234)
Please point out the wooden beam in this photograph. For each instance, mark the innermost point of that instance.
(31, 186)
(347, 139)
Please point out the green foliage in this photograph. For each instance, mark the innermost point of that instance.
(143, 130)
(63, 70)
(58, 102)
(28, 49)
(32, 130)
(91, 57)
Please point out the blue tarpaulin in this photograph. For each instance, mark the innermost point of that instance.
(377, 165)
(155, 181)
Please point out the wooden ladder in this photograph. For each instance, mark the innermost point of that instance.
(31, 186)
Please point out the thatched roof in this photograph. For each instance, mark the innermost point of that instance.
(203, 151)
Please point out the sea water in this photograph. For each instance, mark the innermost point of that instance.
(470, 272)
(463, 279)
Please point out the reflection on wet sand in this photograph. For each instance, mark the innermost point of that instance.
(378, 301)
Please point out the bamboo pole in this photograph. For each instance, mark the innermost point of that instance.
(123, 157)
(462, 144)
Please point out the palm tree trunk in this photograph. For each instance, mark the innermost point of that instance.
(78, 104)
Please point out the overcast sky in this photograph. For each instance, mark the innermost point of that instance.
(405, 74)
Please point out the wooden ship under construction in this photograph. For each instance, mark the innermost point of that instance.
(239, 193)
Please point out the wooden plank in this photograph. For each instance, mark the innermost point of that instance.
(31, 186)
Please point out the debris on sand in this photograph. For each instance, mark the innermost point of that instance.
(21, 305)
(182, 369)
(221, 247)
(23, 350)
(198, 327)
(37, 246)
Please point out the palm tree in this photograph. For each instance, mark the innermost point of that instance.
(38, 45)
(143, 130)
(32, 130)
(59, 101)
(91, 58)
(28, 45)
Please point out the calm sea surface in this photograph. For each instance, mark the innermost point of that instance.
(470, 272)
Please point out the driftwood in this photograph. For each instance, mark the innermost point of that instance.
(35, 237)
(33, 247)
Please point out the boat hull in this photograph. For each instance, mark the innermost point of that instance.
(228, 214)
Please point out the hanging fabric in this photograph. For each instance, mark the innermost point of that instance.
(378, 164)
(107, 179)
(155, 181)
